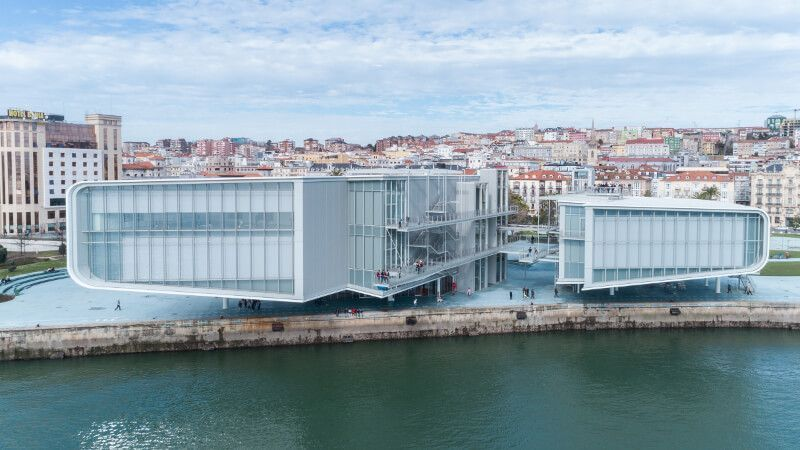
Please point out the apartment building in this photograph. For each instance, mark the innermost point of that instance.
(776, 190)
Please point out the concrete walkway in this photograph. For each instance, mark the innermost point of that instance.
(62, 302)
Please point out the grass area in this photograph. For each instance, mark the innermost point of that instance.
(792, 253)
(34, 267)
(781, 269)
(790, 235)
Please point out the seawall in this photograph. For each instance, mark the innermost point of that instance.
(181, 335)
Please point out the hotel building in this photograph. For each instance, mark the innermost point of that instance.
(41, 156)
(291, 239)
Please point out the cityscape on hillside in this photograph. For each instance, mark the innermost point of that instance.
(755, 165)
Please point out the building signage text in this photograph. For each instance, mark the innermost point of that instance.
(25, 114)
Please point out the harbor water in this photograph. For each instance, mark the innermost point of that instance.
(621, 389)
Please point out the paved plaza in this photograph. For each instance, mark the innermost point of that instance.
(62, 302)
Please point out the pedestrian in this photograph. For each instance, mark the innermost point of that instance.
(119, 307)
(729, 288)
(533, 294)
(511, 295)
(555, 291)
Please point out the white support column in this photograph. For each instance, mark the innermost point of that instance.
(706, 282)
(719, 285)
(438, 288)
(225, 303)
(611, 290)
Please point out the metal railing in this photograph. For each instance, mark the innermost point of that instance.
(438, 218)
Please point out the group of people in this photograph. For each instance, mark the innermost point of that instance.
(528, 293)
(5, 280)
(382, 276)
(50, 270)
(419, 264)
(250, 304)
(533, 251)
(350, 312)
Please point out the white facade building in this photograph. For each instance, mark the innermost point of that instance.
(291, 239)
(611, 242)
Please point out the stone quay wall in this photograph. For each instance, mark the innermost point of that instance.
(182, 335)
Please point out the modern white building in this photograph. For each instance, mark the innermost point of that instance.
(610, 241)
(291, 239)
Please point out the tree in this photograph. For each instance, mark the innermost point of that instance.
(793, 222)
(708, 193)
(522, 216)
(23, 239)
(3, 254)
(62, 249)
(548, 212)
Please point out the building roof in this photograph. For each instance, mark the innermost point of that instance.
(144, 165)
(542, 175)
(700, 175)
(611, 201)
(645, 141)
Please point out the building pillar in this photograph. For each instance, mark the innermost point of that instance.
(391, 298)
(438, 288)
(225, 303)
(719, 285)
(611, 290)
(706, 282)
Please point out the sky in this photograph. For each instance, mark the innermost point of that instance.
(366, 69)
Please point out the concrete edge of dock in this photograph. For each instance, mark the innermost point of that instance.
(183, 335)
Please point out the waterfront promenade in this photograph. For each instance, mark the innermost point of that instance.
(63, 303)
(59, 318)
(227, 333)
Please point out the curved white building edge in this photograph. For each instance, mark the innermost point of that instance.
(289, 239)
(610, 242)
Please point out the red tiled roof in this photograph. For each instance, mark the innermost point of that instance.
(699, 176)
(139, 166)
(644, 141)
(632, 159)
(542, 175)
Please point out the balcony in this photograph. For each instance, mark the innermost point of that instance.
(433, 219)
(407, 277)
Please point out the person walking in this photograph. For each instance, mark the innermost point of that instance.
(511, 295)
(555, 291)
(119, 307)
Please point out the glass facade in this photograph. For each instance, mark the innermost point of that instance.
(70, 135)
(236, 236)
(370, 207)
(633, 244)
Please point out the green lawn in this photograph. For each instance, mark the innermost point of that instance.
(781, 269)
(792, 253)
(34, 267)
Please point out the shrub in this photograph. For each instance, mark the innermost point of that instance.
(62, 249)
(3, 254)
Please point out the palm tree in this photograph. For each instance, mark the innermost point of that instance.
(708, 193)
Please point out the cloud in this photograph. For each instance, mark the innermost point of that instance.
(369, 69)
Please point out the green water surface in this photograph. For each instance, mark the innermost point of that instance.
(629, 389)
